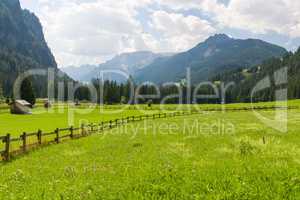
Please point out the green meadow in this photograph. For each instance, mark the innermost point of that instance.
(210, 155)
(59, 117)
(63, 116)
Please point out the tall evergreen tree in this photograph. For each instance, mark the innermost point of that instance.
(27, 92)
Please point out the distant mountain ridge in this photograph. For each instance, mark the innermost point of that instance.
(79, 73)
(215, 55)
(218, 53)
(128, 63)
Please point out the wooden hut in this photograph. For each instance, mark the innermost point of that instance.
(20, 107)
(77, 103)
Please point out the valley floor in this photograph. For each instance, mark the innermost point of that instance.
(212, 155)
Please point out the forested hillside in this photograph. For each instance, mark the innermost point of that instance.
(22, 47)
(246, 79)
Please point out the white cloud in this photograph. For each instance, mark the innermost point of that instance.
(180, 32)
(89, 31)
(257, 16)
(81, 31)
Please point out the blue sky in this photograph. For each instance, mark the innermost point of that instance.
(92, 31)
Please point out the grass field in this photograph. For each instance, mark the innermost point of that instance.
(213, 155)
(57, 117)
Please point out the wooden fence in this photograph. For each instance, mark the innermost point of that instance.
(28, 141)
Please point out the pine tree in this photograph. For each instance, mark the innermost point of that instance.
(1, 92)
(7, 101)
(27, 92)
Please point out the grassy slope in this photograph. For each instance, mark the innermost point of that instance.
(181, 165)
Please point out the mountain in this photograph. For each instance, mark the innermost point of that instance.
(247, 79)
(22, 46)
(79, 73)
(218, 53)
(21, 32)
(128, 63)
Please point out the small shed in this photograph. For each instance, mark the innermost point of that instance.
(21, 107)
(77, 103)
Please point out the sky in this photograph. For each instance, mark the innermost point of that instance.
(82, 32)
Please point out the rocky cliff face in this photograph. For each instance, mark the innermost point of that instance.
(21, 32)
(22, 47)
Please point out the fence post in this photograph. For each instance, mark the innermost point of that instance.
(92, 128)
(110, 124)
(82, 130)
(57, 135)
(24, 138)
(264, 140)
(39, 137)
(71, 132)
(102, 126)
(7, 148)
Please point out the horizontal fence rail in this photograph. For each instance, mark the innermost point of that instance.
(28, 141)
